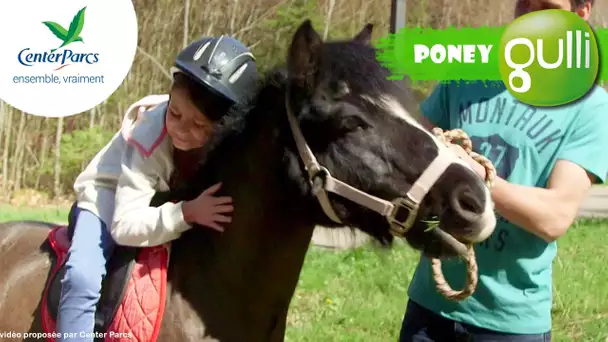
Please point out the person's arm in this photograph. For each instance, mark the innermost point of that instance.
(135, 222)
(549, 212)
(546, 213)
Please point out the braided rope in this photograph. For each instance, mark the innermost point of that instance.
(442, 286)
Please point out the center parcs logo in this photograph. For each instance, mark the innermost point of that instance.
(65, 56)
(61, 58)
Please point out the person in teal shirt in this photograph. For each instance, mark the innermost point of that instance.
(546, 159)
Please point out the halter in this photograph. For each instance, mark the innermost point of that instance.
(323, 182)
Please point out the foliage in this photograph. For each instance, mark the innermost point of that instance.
(77, 149)
(283, 24)
(289, 15)
(264, 25)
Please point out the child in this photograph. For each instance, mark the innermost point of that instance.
(158, 133)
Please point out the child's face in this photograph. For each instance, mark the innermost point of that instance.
(186, 125)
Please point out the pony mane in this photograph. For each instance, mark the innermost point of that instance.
(243, 119)
(349, 60)
(357, 63)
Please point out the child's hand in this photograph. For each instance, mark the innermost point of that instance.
(207, 209)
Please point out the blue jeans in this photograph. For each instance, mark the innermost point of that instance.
(422, 325)
(92, 246)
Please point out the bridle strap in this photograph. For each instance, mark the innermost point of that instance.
(430, 175)
(322, 182)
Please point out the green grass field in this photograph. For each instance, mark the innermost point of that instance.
(360, 295)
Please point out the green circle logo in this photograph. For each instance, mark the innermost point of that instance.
(548, 58)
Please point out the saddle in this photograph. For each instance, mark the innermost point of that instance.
(133, 291)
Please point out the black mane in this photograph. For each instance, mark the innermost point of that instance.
(357, 63)
(235, 125)
(236, 129)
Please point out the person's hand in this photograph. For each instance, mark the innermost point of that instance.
(462, 154)
(208, 210)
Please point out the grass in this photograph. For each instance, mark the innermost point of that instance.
(50, 214)
(360, 295)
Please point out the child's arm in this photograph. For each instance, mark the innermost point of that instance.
(135, 222)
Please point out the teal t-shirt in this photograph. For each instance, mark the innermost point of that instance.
(514, 293)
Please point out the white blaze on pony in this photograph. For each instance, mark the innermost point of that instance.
(392, 106)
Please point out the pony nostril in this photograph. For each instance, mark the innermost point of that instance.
(466, 205)
(469, 203)
(472, 218)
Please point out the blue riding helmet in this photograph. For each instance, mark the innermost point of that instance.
(222, 64)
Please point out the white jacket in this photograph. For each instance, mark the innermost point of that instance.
(122, 178)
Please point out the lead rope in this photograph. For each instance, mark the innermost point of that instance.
(442, 286)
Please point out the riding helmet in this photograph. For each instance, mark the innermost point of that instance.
(223, 64)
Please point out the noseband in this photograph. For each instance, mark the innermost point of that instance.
(323, 182)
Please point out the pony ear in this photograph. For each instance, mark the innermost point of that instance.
(304, 54)
(365, 36)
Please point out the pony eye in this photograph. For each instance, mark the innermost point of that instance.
(339, 89)
(355, 122)
(343, 89)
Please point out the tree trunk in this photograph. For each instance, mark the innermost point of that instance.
(32, 142)
(43, 152)
(102, 117)
(57, 169)
(2, 116)
(2, 109)
(92, 117)
(330, 10)
(18, 155)
(5, 155)
(186, 22)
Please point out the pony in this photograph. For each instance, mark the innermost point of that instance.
(327, 140)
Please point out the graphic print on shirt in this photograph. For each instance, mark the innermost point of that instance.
(504, 157)
(512, 116)
(502, 154)
(508, 132)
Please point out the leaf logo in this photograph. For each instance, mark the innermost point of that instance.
(70, 35)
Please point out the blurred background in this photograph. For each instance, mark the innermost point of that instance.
(45, 155)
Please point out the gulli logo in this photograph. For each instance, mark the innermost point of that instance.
(549, 58)
(66, 57)
(524, 76)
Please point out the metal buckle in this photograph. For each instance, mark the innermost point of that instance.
(318, 178)
(397, 227)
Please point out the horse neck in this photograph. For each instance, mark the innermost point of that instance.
(248, 273)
